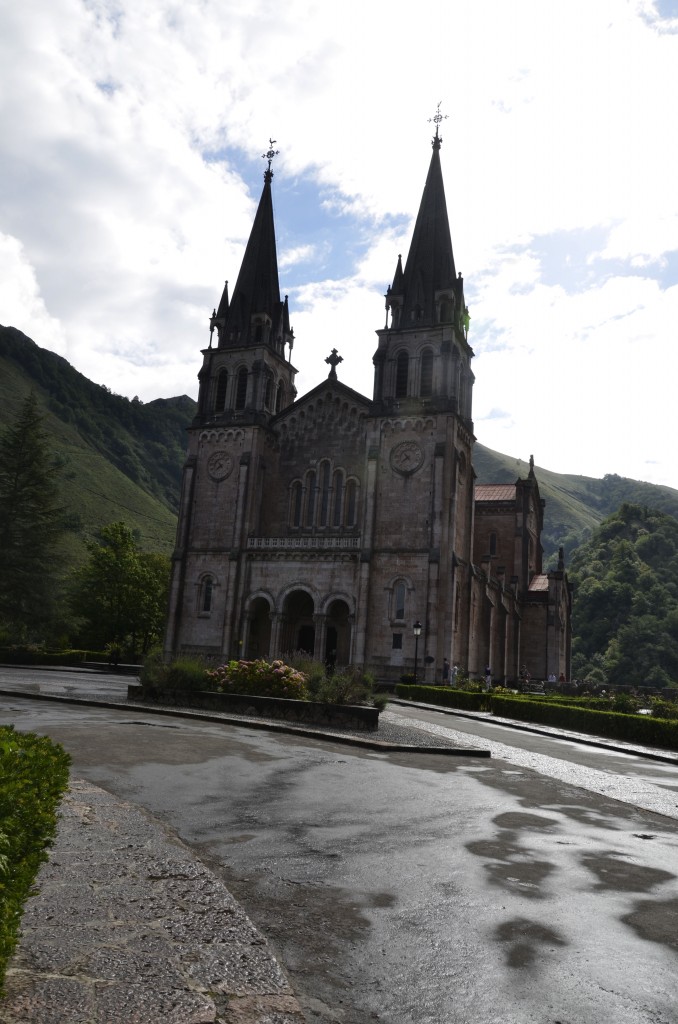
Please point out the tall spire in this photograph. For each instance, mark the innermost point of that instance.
(256, 296)
(429, 268)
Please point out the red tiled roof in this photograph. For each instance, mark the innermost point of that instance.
(539, 582)
(495, 492)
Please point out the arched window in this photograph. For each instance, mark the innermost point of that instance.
(402, 372)
(351, 502)
(295, 504)
(324, 493)
(241, 389)
(206, 595)
(310, 498)
(338, 498)
(279, 396)
(399, 592)
(426, 383)
(268, 393)
(493, 544)
(222, 384)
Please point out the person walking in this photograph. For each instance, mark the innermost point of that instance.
(446, 672)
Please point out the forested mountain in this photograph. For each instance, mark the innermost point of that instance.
(119, 459)
(625, 619)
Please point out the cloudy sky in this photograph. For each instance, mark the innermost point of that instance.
(131, 134)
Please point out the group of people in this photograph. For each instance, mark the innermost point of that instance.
(450, 675)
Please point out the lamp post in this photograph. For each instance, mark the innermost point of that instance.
(416, 629)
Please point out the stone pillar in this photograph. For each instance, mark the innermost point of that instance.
(320, 623)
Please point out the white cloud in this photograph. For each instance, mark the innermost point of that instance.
(130, 151)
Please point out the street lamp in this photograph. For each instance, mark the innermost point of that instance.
(416, 629)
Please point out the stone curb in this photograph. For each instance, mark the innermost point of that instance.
(128, 926)
(254, 723)
(650, 753)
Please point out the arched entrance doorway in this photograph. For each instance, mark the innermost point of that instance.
(299, 629)
(337, 634)
(259, 629)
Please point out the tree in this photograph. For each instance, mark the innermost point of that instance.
(31, 525)
(625, 619)
(121, 592)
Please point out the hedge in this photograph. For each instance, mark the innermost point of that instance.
(33, 778)
(645, 729)
(652, 732)
(446, 697)
(33, 656)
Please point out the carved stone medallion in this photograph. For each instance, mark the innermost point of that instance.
(219, 465)
(407, 457)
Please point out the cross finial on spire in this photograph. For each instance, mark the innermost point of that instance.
(437, 118)
(333, 359)
(269, 155)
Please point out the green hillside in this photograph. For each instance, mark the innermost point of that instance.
(120, 459)
(625, 618)
(575, 505)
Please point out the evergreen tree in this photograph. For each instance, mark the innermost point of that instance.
(31, 525)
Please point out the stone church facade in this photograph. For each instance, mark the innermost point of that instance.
(334, 522)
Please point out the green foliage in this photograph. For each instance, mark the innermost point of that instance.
(446, 697)
(645, 729)
(39, 655)
(33, 778)
(625, 616)
(348, 686)
(259, 678)
(181, 674)
(31, 524)
(121, 592)
(145, 442)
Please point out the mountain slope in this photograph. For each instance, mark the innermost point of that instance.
(120, 459)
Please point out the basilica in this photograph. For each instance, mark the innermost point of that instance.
(347, 526)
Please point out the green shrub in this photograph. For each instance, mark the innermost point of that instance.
(37, 655)
(314, 671)
(259, 679)
(446, 697)
(350, 686)
(645, 729)
(181, 674)
(33, 778)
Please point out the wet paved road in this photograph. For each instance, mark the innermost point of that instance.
(399, 887)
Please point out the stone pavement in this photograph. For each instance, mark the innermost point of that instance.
(128, 927)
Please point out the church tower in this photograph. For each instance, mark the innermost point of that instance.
(247, 376)
(421, 441)
(246, 380)
(423, 359)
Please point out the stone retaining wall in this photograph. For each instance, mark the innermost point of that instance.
(351, 716)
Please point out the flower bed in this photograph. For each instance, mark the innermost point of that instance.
(350, 716)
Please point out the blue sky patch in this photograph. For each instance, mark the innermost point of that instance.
(308, 214)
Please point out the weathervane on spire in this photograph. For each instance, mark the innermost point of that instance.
(436, 120)
(268, 155)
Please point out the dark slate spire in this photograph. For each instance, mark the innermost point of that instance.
(415, 294)
(255, 311)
